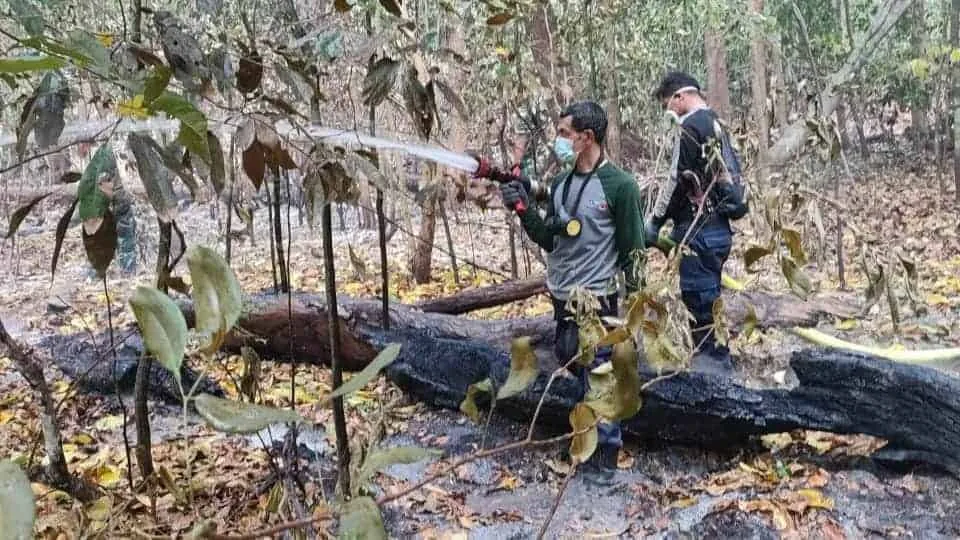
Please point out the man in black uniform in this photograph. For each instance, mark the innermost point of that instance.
(702, 167)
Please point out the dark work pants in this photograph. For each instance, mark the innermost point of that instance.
(700, 283)
(566, 345)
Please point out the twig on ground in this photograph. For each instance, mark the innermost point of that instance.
(556, 503)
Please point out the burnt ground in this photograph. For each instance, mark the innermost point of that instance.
(666, 492)
(817, 487)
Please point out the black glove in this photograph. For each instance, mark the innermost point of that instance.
(651, 233)
(730, 201)
(512, 193)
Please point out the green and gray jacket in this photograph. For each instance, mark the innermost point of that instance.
(612, 228)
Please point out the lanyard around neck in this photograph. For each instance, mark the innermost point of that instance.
(583, 187)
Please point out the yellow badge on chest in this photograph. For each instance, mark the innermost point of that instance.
(573, 227)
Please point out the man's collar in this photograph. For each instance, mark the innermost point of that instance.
(693, 110)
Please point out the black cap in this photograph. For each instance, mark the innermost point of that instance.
(673, 81)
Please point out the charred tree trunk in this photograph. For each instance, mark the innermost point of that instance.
(265, 325)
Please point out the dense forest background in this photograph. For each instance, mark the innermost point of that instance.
(183, 148)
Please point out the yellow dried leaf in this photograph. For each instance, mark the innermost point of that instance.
(106, 475)
(99, 510)
(469, 405)
(846, 324)
(133, 108)
(523, 368)
(816, 499)
(105, 39)
(109, 423)
(584, 422)
(776, 441)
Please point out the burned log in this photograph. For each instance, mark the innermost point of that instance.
(476, 298)
(266, 325)
(915, 409)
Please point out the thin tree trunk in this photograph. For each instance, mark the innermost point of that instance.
(278, 232)
(135, 17)
(29, 368)
(758, 64)
(781, 107)
(339, 418)
(141, 386)
(228, 241)
(718, 89)
(955, 95)
(918, 112)
(446, 231)
(422, 258)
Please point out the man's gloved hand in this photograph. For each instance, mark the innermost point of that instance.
(731, 203)
(651, 233)
(512, 193)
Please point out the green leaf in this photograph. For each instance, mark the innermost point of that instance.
(500, 18)
(20, 213)
(384, 457)
(393, 6)
(101, 246)
(27, 64)
(156, 83)
(47, 45)
(752, 255)
(62, 227)
(360, 519)
(799, 282)
(94, 203)
(623, 399)
(583, 444)
(163, 327)
(216, 295)
(87, 44)
(156, 178)
(231, 416)
(523, 368)
(469, 404)
(17, 511)
(28, 15)
(193, 124)
(384, 359)
(795, 245)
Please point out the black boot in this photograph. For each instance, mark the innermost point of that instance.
(601, 468)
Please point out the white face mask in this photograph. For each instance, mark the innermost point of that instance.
(564, 149)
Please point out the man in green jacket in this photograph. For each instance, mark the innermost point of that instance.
(591, 232)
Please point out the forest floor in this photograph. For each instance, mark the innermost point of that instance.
(804, 485)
